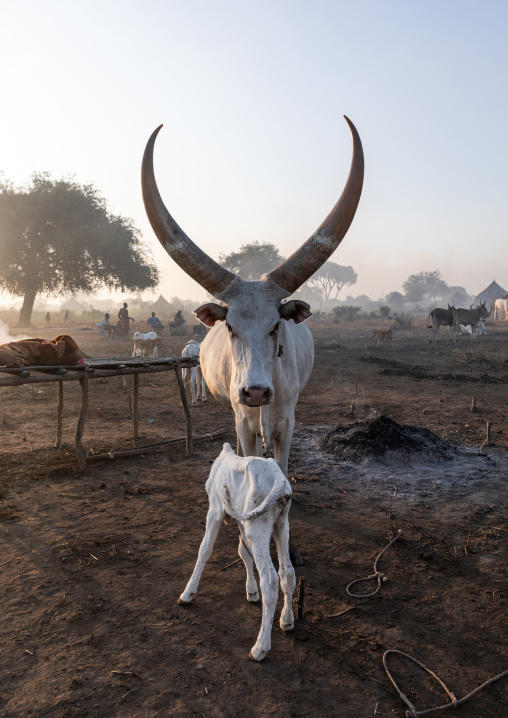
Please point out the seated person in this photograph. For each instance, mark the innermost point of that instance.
(179, 320)
(104, 327)
(155, 323)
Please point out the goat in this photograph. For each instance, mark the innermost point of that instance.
(192, 350)
(145, 343)
(255, 493)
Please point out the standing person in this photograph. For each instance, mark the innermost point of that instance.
(123, 316)
(48, 317)
(66, 317)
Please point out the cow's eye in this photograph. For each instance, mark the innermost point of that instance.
(274, 331)
(230, 329)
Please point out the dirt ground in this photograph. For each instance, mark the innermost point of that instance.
(92, 565)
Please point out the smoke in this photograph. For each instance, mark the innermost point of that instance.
(6, 336)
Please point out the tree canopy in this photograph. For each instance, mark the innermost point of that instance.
(252, 260)
(59, 236)
(425, 285)
(331, 278)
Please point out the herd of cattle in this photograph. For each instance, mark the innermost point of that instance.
(466, 321)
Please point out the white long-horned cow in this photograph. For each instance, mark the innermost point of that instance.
(500, 309)
(258, 357)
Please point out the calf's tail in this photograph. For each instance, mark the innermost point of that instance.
(278, 494)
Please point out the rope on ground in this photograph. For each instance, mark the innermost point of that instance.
(412, 712)
(377, 574)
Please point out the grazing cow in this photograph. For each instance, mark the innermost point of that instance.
(469, 317)
(192, 349)
(440, 318)
(259, 354)
(500, 309)
(383, 337)
(255, 493)
(145, 344)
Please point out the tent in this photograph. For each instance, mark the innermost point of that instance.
(161, 307)
(72, 305)
(459, 300)
(493, 291)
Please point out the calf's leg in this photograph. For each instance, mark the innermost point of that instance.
(251, 587)
(268, 579)
(213, 521)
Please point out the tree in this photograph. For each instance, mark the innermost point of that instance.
(252, 260)
(331, 277)
(426, 285)
(58, 235)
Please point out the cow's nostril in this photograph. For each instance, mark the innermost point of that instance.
(255, 395)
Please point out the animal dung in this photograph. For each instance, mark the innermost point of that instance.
(382, 436)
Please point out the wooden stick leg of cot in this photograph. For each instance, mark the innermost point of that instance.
(80, 449)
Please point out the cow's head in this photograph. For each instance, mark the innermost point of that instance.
(253, 317)
(254, 311)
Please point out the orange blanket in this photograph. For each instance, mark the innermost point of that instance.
(40, 352)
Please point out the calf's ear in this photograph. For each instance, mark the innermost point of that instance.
(296, 310)
(211, 313)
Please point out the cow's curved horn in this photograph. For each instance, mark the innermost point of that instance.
(302, 264)
(214, 278)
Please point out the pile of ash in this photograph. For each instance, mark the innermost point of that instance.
(382, 437)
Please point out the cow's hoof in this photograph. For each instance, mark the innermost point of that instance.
(257, 655)
(183, 602)
(253, 597)
(287, 626)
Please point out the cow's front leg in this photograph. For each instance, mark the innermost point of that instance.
(286, 570)
(282, 444)
(247, 439)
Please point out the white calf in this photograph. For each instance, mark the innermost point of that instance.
(479, 329)
(256, 494)
(144, 343)
(192, 349)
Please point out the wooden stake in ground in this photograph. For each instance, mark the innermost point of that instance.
(186, 412)
(473, 405)
(488, 433)
(356, 388)
(59, 415)
(301, 598)
(135, 386)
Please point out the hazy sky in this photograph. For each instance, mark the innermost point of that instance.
(254, 145)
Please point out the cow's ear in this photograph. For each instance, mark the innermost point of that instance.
(296, 310)
(211, 313)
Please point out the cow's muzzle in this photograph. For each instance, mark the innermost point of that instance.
(256, 396)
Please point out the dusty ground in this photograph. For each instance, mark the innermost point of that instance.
(92, 565)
